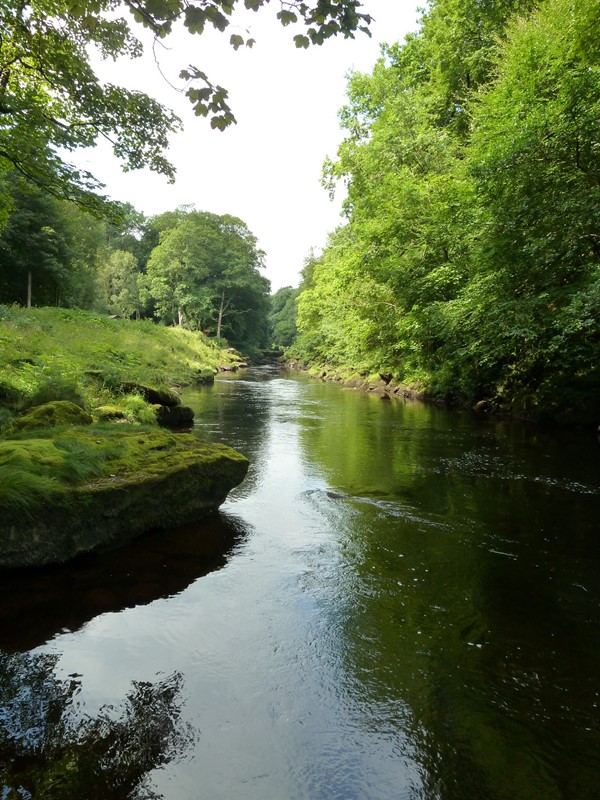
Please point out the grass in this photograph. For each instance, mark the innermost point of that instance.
(49, 354)
(43, 466)
(38, 468)
(62, 354)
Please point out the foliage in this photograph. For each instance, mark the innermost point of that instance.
(469, 261)
(205, 272)
(118, 289)
(282, 317)
(51, 98)
(52, 243)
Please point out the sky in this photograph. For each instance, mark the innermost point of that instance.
(265, 170)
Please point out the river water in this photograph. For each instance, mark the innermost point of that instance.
(398, 602)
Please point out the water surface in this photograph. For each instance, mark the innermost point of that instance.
(398, 602)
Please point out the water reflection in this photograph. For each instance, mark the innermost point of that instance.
(414, 613)
(49, 750)
(37, 604)
(468, 589)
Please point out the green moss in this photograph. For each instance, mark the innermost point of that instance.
(109, 412)
(49, 464)
(54, 414)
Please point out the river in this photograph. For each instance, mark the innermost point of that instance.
(399, 601)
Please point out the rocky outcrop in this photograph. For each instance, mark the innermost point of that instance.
(167, 405)
(174, 416)
(154, 479)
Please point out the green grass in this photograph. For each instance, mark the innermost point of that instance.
(38, 468)
(43, 466)
(58, 354)
(49, 354)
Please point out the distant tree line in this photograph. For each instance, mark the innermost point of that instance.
(469, 262)
(184, 267)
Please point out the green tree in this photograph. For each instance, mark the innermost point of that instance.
(282, 317)
(33, 248)
(118, 282)
(205, 272)
(469, 264)
(534, 313)
(49, 249)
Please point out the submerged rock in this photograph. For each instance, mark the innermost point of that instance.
(150, 479)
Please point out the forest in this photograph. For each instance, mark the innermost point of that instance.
(467, 266)
(185, 267)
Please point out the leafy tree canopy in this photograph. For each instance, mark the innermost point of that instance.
(205, 273)
(51, 99)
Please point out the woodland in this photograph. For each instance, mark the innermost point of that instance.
(467, 266)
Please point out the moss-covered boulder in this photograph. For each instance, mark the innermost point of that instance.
(110, 412)
(88, 489)
(174, 416)
(152, 394)
(205, 375)
(52, 415)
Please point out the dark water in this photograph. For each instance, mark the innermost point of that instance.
(399, 602)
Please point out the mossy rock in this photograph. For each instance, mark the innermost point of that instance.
(174, 416)
(206, 375)
(110, 412)
(151, 394)
(51, 415)
(144, 479)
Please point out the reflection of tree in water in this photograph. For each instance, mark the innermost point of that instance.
(48, 750)
(466, 609)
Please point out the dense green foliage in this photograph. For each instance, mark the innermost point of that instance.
(186, 267)
(205, 271)
(282, 317)
(469, 265)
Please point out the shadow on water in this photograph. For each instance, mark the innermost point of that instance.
(37, 604)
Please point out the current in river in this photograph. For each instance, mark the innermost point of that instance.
(400, 601)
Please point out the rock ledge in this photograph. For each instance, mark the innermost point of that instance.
(155, 480)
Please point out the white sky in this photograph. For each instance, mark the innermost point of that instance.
(267, 168)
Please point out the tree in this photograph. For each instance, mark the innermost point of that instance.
(33, 248)
(470, 262)
(534, 299)
(282, 317)
(118, 280)
(50, 97)
(205, 272)
(49, 249)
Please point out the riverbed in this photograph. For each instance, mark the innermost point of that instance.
(400, 601)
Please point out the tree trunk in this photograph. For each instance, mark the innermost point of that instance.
(221, 309)
(29, 289)
(180, 317)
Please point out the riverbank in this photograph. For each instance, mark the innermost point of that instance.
(83, 462)
(500, 406)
